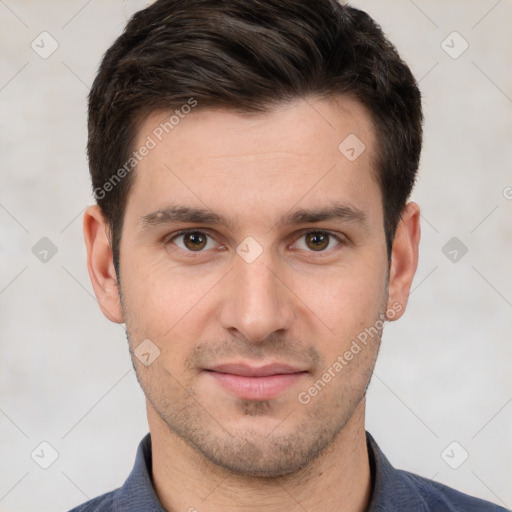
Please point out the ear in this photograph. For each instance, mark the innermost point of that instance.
(404, 260)
(100, 264)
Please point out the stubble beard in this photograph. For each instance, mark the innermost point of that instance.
(302, 435)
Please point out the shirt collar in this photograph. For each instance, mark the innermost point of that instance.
(390, 490)
(138, 493)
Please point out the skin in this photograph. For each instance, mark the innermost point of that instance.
(293, 304)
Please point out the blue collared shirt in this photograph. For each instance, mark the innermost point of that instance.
(392, 490)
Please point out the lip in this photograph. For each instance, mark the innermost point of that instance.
(256, 383)
(247, 370)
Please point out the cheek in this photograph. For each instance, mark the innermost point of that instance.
(171, 310)
(163, 302)
(348, 298)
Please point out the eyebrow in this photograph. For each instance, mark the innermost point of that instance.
(343, 212)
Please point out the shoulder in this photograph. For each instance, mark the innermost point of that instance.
(396, 489)
(136, 494)
(103, 503)
(441, 498)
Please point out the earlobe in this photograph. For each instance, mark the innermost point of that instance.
(404, 260)
(100, 264)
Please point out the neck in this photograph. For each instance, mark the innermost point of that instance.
(339, 479)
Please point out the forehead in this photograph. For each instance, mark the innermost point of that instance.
(307, 153)
(222, 132)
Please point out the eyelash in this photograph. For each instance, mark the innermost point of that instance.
(340, 240)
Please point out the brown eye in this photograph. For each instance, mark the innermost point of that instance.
(189, 241)
(317, 241)
(195, 241)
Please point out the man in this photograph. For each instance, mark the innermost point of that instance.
(252, 163)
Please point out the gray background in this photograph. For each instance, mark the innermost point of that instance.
(444, 369)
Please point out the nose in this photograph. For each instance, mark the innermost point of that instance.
(257, 303)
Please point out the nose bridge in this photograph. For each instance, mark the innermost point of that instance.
(257, 303)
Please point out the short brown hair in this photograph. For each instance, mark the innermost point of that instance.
(248, 56)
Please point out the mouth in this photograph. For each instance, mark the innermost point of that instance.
(256, 383)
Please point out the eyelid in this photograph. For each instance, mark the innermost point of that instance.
(337, 236)
(168, 239)
(297, 236)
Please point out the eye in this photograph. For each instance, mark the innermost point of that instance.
(199, 241)
(318, 241)
(192, 241)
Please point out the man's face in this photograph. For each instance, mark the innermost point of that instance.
(260, 290)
